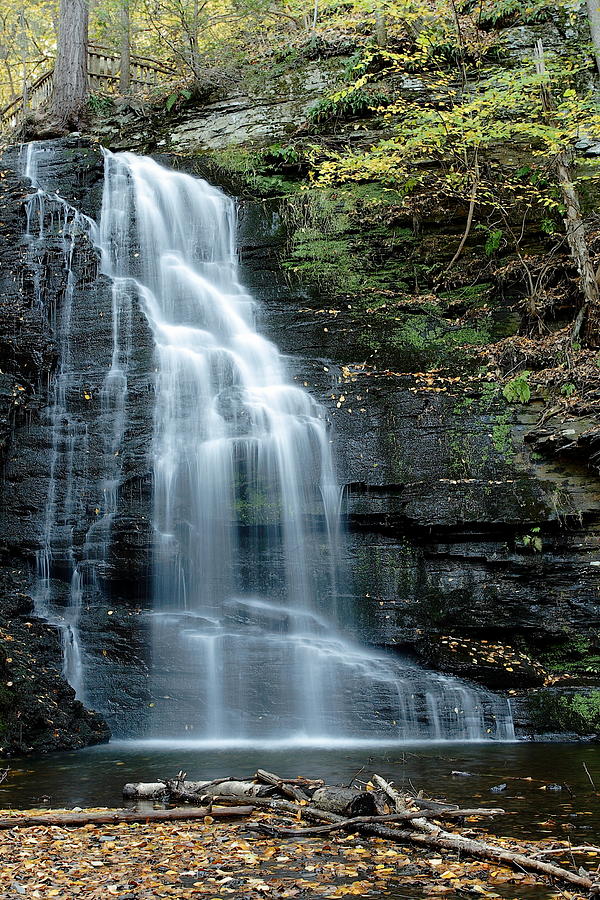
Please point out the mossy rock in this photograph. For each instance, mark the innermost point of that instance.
(553, 712)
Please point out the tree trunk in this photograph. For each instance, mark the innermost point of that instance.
(346, 801)
(381, 28)
(194, 37)
(576, 237)
(125, 53)
(149, 790)
(593, 8)
(23, 46)
(228, 787)
(574, 224)
(117, 816)
(70, 71)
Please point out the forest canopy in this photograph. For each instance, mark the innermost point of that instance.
(188, 35)
(446, 89)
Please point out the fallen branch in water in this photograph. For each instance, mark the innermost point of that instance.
(437, 837)
(568, 849)
(352, 824)
(118, 816)
(295, 789)
(343, 809)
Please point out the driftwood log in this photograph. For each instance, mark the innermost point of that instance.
(432, 835)
(149, 790)
(174, 788)
(352, 824)
(345, 801)
(361, 811)
(118, 816)
(297, 789)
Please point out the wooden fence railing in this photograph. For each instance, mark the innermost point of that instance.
(104, 69)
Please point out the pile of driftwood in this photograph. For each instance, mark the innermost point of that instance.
(381, 811)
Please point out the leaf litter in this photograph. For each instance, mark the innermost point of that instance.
(221, 860)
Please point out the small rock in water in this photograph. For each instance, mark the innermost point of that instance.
(498, 788)
(463, 774)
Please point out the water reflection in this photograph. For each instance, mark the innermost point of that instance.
(96, 776)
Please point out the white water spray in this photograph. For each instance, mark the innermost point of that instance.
(247, 630)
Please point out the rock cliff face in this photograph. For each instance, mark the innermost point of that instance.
(471, 549)
(38, 709)
(473, 531)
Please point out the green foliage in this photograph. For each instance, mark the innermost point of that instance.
(533, 540)
(577, 654)
(100, 104)
(503, 12)
(493, 239)
(518, 390)
(548, 226)
(277, 154)
(505, 106)
(356, 103)
(567, 390)
(177, 97)
(579, 713)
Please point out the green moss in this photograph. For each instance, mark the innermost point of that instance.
(579, 712)
(435, 336)
(324, 262)
(268, 172)
(255, 508)
(462, 407)
(340, 245)
(461, 454)
(576, 654)
(502, 437)
(471, 295)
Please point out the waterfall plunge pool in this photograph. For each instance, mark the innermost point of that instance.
(95, 777)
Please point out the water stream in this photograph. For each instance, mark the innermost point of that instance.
(51, 219)
(253, 635)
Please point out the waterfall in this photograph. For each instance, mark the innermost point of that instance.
(253, 635)
(51, 218)
(249, 637)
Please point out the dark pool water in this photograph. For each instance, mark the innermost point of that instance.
(95, 777)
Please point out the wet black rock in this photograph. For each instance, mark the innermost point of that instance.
(38, 709)
(498, 788)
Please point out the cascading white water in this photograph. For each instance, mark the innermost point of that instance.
(252, 636)
(249, 637)
(50, 217)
